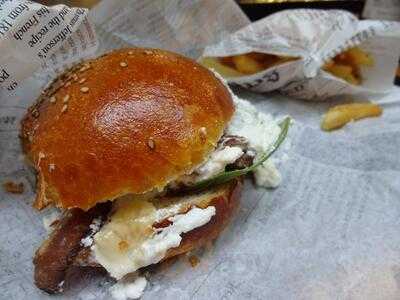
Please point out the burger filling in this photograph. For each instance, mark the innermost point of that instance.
(135, 231)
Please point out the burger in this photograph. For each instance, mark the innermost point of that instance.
(143, 151)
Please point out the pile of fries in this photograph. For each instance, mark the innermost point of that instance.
(347, 65)
(244, 64)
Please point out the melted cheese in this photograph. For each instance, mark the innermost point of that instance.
(129, 241)
(130, 225)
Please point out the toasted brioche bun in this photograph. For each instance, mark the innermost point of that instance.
(130, 121)
(63, 249)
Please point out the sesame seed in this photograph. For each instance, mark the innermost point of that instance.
(151, 143)
(123, 64)
(203, 132)
(82, 69)
(82, 80)
(75, 77)
(52, 167)
(66, 98)
(84, 89)
(64, 108)
(130, 52)
(148, 52)
(41, 155)
(35, 113)
(53, 99)
(68, 83)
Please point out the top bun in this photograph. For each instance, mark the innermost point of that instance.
(130, 121)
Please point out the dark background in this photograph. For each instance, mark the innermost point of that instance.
(257, 9)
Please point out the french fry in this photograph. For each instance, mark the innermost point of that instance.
(265, 61)
(246, 64)
(227, 60)
(260, 57)
(224, 70)
(346, 65)
(360, 57)
(328, 65)
(344, 72)
(340, 115)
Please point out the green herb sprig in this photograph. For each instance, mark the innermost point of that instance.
(229, 175)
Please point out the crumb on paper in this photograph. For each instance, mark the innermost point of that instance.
(193, 260)
(340, 115)
(13, 187)
(50, 220)
(209, 246)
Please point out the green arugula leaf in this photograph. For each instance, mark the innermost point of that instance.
(229, 175)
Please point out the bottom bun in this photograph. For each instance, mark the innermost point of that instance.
(50, 269)
(225, 205)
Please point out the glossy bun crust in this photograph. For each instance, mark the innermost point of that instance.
(129, 121)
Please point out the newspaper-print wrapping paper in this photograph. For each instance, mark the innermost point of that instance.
(330, 231)
(34, 37)
(314, 36)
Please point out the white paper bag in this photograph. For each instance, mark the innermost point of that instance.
(314, 36)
